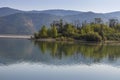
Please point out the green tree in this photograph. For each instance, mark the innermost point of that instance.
(94, 31)
(98, 21)
(43, 32)
(92, 36)
(69, 30)
(54, 31)
(113, 22)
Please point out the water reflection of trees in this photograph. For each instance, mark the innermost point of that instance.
(93, 51)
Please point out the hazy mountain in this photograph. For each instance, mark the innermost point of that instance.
(7, 11)
(25, 23)
(14, 21)
(114, 14)
(16, 24)
(58, 12)
(86, 16)
(40, 19)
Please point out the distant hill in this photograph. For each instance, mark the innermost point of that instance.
(114, 15)
(58, 12)
(16, 24)
(7, 11)
(25, 23)
(13, 21)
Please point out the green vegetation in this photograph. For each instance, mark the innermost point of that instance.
(94, 31)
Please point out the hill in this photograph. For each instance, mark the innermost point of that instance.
(8, 11)
(13, 21)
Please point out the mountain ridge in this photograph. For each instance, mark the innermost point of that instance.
(14, 21)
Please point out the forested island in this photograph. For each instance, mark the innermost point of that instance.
(94, 31)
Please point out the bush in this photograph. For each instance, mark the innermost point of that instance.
(114, 36)
(92, 37)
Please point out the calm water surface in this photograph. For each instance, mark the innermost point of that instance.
(22, 59)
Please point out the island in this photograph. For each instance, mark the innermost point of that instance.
(94, 31)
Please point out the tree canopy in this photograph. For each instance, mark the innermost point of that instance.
(94, 31)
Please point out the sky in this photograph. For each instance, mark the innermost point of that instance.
(99, 6)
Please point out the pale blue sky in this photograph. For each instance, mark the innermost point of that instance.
(79, 5)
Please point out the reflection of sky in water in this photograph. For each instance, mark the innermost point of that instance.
(25, 71)
(26, 60)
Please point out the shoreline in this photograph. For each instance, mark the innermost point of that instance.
(52, 39)
(81, 41)
(16, 36)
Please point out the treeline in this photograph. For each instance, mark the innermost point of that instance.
(94, 31)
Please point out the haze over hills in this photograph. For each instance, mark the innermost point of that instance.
(7, 11)
(58, 12)
(13, 21)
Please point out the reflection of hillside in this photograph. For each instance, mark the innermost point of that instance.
(14, 50)
(14, 47)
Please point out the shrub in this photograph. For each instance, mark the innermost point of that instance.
(114, 36)
(92, 37)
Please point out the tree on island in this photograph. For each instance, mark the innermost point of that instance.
(94, 31)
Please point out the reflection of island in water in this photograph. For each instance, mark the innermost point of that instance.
(81, 52)
(14, 51)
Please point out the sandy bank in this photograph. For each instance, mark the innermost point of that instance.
(16, 36)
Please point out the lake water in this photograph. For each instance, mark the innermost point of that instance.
(22, 59)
